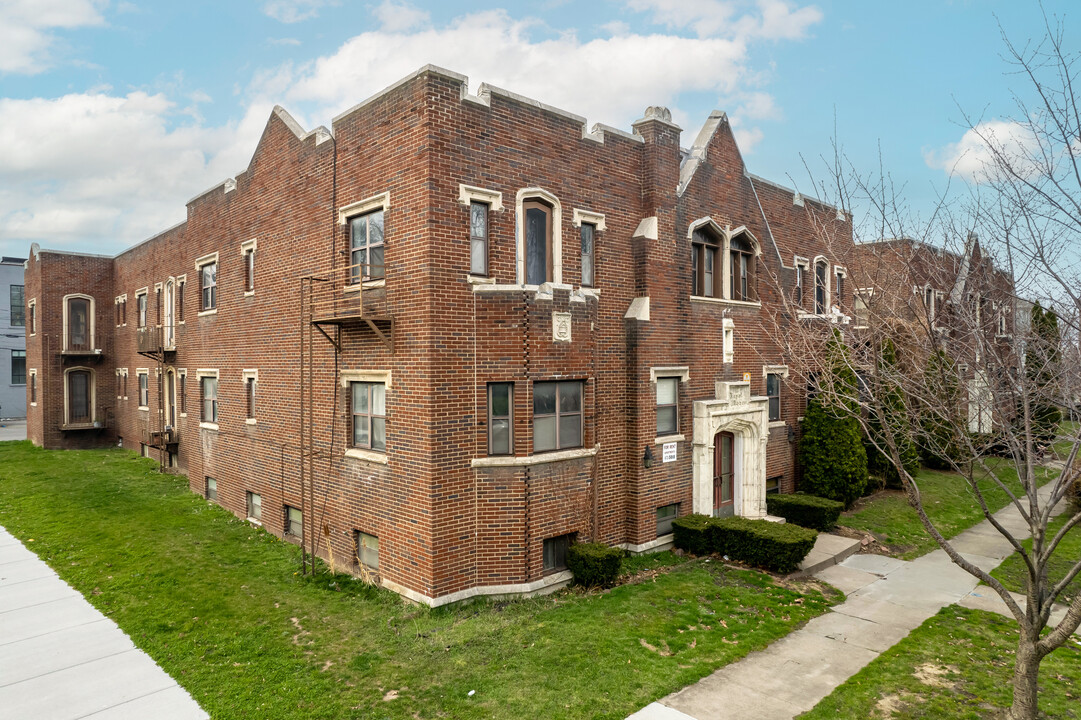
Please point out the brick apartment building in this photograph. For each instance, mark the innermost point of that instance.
(514, 331)
(959, 302)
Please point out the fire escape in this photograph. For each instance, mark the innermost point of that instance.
(159, 344)
(351, 298)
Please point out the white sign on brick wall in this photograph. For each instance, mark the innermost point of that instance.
(668, 453)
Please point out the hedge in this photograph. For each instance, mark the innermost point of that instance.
(594, 564)
(809, 511)
(774, 546)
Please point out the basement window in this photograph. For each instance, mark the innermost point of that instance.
(255, 507)
(555, 552)
(366, 548)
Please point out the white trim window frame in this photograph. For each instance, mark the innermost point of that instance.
(251, 389)
(247, 255)
(182, 392)
(142, 376)
(346, 379)
(91, 398)
(593, 222)
(214, 408)
(553, 235)
(492, 200)
(32, 384)
(206, 269)
(349, 217)
(32, 315)
(90, 322)
(181, 286)
(141, 311)
(802, 267)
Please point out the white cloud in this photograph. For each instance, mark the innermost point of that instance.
(972, 158)
(609, 80)
(103, 171)
(293, 11)
(400, 16)
(283, 41)
(26, 37)
(772, 19)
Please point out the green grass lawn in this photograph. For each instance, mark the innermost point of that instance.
(949, 503)
(1013, 575)
(1067, 430)
(957, 665)
(221, 607)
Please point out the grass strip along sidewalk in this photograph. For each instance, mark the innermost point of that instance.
(957, 665)
(221, 607)
(948, 501)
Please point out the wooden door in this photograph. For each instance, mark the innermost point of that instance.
(723, 474)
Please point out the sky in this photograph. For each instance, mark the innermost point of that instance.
(114, 114)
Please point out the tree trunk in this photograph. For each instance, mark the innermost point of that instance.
(1026, 673)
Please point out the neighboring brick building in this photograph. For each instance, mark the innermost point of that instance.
(518, 331)
(957, 302)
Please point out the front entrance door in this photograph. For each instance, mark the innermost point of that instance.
(723, 472)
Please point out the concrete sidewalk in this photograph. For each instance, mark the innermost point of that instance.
(61, 659)
(887, 599)
(12, 430)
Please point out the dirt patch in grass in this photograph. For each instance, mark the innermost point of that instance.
(936, 675)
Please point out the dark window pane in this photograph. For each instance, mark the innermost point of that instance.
(544, 398)
(379, 433)
(570, 397)
(79, 397)
(570, 431)
(587, 254)
(361, 431)
(360, 397)
(375, 269)
(501, 400)
(18, 306)
(544, 433)
(666, 420)
(375, 228)
(536, 246)
(478, 220)
(78, 324)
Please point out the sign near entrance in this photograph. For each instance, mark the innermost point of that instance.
(746, 377)
(668, 453)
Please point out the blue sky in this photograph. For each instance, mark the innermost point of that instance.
(114, 114)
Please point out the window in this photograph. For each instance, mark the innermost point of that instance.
(557, 415)
(705, 255)
(144, 389)
(500, 418)
(182, 391)
(80, 401)
(839, 289)
(478, 238)
(208, 285)
(861, 307)
(209, 387)
(538, 242)
(801, 281)
(366, 246)
(821, 297)
(18, 367)
(366, 548)
(33, 387)
(140, 308)
(294, 521)
(250, 379)
(157, 305)
(773, 485)
(773, 392)
(124, 310)
(249, 269)
(80, 333)
(117, 308)
(211, 488)
(125, 385)
(255, 507)
(33, 307)
(741, 253)
(555, 552)
(18, 306)
(665, 515)
(667, 406)
(588, 232)
(181, 284)
(929, 303)
(369, 409)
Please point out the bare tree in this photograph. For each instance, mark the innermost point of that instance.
(952, 295)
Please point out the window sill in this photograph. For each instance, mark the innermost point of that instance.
(144, 408)
(725, 301)
(208, 426)
(366, 285)
(33, 404)
(204, 313)
(249, 293)
(366, 455)
(669, 439)
(527, 460)
(777, 424)
(183, 415)
(256, 523)
(480, 280)
(250, 421)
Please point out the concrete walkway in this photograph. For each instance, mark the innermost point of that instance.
(887, 599)
(61, 659)
(12, 430)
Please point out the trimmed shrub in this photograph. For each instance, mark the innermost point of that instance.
(690, 533)
(809, 511)
(774, 546)
(594, 564)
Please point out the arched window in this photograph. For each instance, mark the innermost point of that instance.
(78, 323)
(744, 284)
(705, 264)
(538, 242)
(79, 396)
(821, 287)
